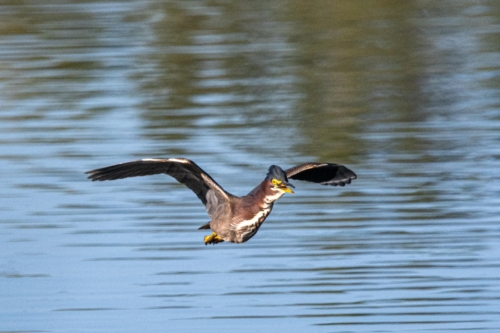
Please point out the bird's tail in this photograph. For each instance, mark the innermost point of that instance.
(205, 226)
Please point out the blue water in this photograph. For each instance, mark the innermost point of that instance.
(406, 95)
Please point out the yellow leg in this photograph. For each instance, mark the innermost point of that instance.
(213, 239)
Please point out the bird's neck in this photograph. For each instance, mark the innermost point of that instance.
(264, 195)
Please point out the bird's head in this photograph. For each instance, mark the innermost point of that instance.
(279, 181)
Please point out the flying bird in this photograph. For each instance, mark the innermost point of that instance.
(233, 219)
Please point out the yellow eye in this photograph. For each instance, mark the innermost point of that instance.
(276, 182)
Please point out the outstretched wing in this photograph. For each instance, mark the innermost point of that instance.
(183, 170)
(323, 173)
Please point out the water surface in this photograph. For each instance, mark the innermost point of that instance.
(407, 95)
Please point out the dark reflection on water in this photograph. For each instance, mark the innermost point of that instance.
(406, 94)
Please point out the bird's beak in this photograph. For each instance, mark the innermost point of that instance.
(282, 186)
(287, 188)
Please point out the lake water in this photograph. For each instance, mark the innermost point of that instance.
(407, 94)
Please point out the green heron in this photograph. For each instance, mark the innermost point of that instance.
(233, 219)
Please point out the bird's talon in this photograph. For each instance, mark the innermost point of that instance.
(213, 239)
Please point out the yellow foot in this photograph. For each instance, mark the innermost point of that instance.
(213, 239)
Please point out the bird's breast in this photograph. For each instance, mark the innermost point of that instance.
(254, 221)
(247, 228)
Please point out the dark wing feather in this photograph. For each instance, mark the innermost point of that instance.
(323, 173)
(183, 170)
